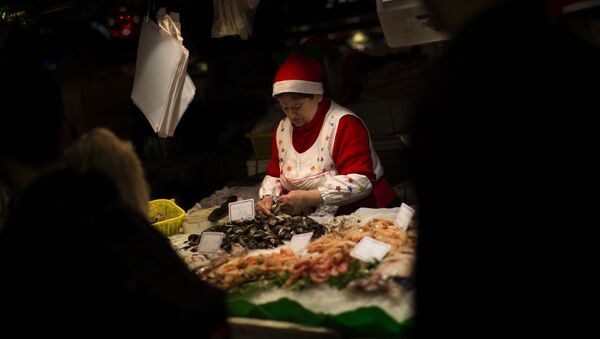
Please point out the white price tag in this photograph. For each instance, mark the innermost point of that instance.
(299, 242)
(241, 210)
(210, 242)
(404, 216)
(369, 249)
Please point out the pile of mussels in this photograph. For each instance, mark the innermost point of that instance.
(265, 232)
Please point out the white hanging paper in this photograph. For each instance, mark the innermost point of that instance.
(162, 90)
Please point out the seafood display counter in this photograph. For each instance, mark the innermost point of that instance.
(324, 284)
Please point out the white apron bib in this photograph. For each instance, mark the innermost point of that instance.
(310, 169)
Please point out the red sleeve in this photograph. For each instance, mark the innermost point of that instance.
(351, 151)
(273, 169)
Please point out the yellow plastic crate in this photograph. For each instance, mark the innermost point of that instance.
(261, 142)
(171, 214)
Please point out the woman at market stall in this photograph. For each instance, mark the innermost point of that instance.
(322, 154)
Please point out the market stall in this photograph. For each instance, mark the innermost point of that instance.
(350, 276)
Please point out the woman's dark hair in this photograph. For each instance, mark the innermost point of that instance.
(295, 95)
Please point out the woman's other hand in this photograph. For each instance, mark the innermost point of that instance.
(264, 205)
(295, 202)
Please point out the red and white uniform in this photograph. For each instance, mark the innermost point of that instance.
(332, 153)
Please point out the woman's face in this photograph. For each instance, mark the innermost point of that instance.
(299, 111)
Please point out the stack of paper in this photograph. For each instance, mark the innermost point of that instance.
(162, 89)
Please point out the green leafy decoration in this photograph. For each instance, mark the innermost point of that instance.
(301, 283)
(356, 269)
(262, 284)
(365, 321)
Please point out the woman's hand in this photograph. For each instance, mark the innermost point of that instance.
(264, 205)
(296, 201)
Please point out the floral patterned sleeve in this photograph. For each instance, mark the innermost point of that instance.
(270, 186)
(352, 157)
(345, 189)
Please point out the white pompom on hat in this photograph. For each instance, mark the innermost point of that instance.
(298, 74)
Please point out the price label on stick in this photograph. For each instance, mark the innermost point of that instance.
(369, 249)
(210, 242)
(299, 242)
(404, 216)
(241, 210)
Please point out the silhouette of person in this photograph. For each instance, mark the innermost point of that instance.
(505, 170)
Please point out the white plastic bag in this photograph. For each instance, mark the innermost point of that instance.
(233, 17)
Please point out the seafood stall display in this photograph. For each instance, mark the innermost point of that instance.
(328, 259)
(258, 268)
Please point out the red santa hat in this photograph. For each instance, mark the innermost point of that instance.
(298, 74)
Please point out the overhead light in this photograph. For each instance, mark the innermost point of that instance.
(359, 40)
(9, 17)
